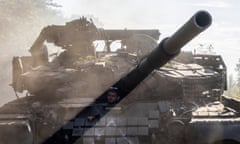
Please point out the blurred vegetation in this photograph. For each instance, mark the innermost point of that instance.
(238, 72)
(233, 91)
(234, 85)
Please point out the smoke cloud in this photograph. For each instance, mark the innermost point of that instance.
(20, 24)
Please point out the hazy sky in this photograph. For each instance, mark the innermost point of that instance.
(168, 16)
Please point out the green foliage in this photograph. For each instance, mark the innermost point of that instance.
(234, 91)
(84, 61)
(238, 73)
(234, 85)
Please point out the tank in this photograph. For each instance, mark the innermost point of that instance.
(142, 93)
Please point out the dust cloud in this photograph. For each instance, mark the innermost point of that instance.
(20, 24)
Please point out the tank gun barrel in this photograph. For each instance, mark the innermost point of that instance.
(164, 52)
(197, 23)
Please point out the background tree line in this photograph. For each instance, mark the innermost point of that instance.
(234, 84)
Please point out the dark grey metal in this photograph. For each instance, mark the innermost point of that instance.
(198, 23)
(165, 51)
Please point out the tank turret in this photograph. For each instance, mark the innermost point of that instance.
(163, 53)
(159, 96)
